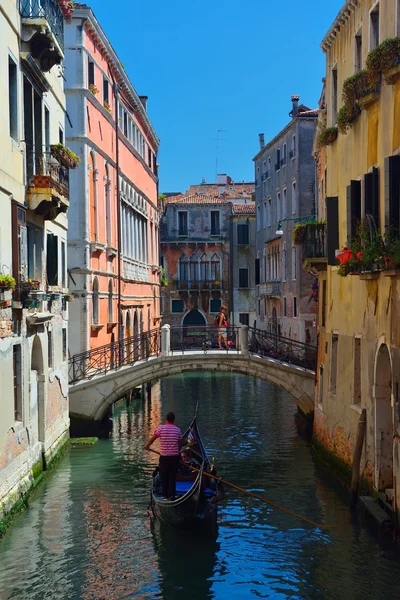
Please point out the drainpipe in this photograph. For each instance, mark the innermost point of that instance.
(115, 90)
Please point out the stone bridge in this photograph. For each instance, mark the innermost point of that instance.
(102, 376)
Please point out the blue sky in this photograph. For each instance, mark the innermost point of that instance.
(218, 64)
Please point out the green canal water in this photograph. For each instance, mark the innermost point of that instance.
(87, 533)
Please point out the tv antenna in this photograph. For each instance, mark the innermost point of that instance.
(218, 140)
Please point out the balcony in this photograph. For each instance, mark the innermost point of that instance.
(314, 248)
(199, 285)
(272, 289)
(48, 184)
(43, 27)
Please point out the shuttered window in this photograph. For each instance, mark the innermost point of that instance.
(35, 248)
(353, 209)
(19, 244)
(52, 259)
(243, 234)
(332, 226)
(257, 271)
(371, 195)
(392, 193)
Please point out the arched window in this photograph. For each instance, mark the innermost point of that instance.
(183, 268)
(204, 267)
(107, 200)
(92, 196)
(215, 268)
(95, 301)
(194, 261)
(110, 301)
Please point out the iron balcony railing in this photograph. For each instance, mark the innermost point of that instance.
(43, 163)
(99, 361)
(204, 337)
(45, 9)
(184, 284)
(270, 288)
(314, 244)
(272, 345)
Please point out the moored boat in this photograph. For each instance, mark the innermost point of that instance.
(195, 501)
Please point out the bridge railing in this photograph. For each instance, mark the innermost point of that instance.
(291, 351)
(97, 361)
(201, 337)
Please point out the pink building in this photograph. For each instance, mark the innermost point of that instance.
(113, 240)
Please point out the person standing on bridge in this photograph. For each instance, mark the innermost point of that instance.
(170, 442)
(221, 322)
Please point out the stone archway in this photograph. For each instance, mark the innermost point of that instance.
(37, 391)
(194, 318)
(383, 420)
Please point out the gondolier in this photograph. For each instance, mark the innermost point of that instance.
(170, 442)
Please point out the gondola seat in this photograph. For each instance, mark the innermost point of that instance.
(184, 486)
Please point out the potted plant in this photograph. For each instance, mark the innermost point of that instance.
(327, 136)
(65, 156)
(107, 106)
(30, 284)
(93, 89)
(299, 233)
(344, 255)
(7, 282)
(385, 59)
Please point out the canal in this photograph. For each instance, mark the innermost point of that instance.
(87, 533)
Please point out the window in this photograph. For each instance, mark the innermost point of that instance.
(244, 319)
(17, 367)
(293, 151)
(64, 344)
(215, 226)
(46, 129)
(243, 234)
(215, 268)
(258, 217)
(19, 243)
(257, 271)
(204, 268)
(177, 306)
(90, 72)
(259, 306)
(284, 261)
(95, 301)
(63, 266)
(244, 278)
(284, 204)
(183, 268)
(358, 52)
(182, 223)
(52, 259)
(278, 159)
(284, 308)
(61, 135)
(193, 267)
(13, 98)
(49, 349)
(35, 248)
(105, 90)
(294, 198)
(284, 155)
(125, 123)
(265, 308)
(334, 95)
(294, 263)
(374, 27)
(334, 355)
(357, 372)
(162, 307)
(265, 218)
(215, 305)
(278, 206)
(110, 301)
(295, 306)
(269, 212)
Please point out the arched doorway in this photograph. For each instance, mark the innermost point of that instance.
(37, 390)
(383, 420)
(194, 318)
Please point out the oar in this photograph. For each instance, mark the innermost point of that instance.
(289, 512)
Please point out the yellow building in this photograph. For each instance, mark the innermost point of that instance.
(360, 195)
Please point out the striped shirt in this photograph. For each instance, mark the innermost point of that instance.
(169, 435)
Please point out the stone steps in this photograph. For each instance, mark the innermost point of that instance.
(376, 512)
(383, 503)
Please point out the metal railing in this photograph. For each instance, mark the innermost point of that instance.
(281, 348)
(314, 244)
(43, 163)
(45, 9)
(99, 361)
(204, 337)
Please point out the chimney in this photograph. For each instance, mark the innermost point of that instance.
(261, 138)
(143, 100)
(295, 103)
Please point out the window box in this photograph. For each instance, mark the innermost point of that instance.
(30, 284)
(6, 283)
(369, 98)
(371, 275)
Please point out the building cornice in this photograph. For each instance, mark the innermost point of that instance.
(283, 132)
(341, 18)
(128, 92)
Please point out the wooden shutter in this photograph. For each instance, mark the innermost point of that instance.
(19, 244)
(257, 271)
(392, 193)
(353, 215)
(332, 226)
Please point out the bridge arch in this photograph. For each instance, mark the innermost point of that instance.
(92, 399)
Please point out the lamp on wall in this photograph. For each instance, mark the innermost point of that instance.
(309, 219)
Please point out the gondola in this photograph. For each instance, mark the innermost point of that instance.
(195, 502)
